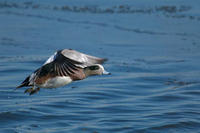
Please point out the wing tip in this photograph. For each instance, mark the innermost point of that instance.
(102, 60)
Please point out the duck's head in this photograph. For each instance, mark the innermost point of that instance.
(96, 69)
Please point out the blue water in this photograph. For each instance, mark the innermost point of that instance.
(153, 49)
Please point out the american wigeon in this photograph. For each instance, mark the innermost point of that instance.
(63, 67)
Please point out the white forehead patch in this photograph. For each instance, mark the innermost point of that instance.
(101, 66)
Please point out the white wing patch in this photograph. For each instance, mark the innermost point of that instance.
(51, 58)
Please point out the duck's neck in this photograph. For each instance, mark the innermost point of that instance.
(86, 72)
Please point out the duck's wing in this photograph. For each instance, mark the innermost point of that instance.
(69, 62)
(85, 59)
(59, 65)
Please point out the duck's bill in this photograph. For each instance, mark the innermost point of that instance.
(106, 73)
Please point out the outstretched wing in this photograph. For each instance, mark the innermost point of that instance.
(69, 62)
(85, 59)
(60, 66)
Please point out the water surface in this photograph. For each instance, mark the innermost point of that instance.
(153, 51)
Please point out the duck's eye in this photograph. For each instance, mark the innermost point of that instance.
(94, 67)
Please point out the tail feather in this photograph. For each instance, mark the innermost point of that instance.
(24, 83)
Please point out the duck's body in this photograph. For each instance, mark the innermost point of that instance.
(62, 68)
(55, 82)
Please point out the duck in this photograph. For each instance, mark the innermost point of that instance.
(62, 68)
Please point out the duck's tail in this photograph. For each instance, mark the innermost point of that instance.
(24, 83)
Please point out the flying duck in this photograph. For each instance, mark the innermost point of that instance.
(63, 67)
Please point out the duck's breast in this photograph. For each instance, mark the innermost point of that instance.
(55, 82)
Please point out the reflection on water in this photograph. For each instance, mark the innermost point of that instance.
(153, 54)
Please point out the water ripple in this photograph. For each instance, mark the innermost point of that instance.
(154, 86)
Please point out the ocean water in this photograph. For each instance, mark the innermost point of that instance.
(153, 51)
